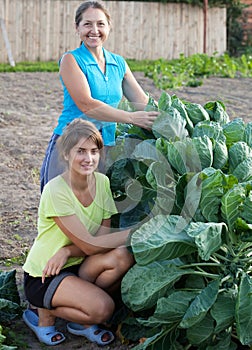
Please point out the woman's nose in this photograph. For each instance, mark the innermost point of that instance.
(94, 28)
(88, 156)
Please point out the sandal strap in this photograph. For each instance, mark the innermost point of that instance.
(89, 333)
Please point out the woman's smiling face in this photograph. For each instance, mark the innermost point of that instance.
(84, 157)
(93, 28)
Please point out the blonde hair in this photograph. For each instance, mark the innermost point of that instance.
(74, 132)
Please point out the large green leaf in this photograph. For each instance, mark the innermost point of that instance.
(200, 305)
(234, 131)
(8, 310)
(123, 149)
(8, 286)
(201, 153)
(217, 112)
(212, 192)
(244, 310)
(176, 155)
(160, 177)
(164, 102)
(119, 173)
(223, 342)
(165, 339)
(9, 296)
(231, 205)
(200, 332)
(246, 212)
(147, 152)
(170, 309)
(209, 128)
(161, 145)
(190, 155)
(223, 311)
(163, 237)
(196, 112)
(207, 237)
(238, 152)
(142, 286)
(243, 171)
(180, 106)
(248, 134)
(188, 194)
(220, 154)
(133, 330)
(215, 132)
(170, 125)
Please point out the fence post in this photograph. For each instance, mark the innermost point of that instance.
(7, 43)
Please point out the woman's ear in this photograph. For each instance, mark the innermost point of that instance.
(66, 157)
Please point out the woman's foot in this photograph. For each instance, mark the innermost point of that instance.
(93, 333)
(46, 334)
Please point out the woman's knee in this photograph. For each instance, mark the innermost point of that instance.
(124, 259)
(103, 310)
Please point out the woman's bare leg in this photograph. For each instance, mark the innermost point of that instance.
(82, 299)
(81, 302)
(106, 270)
(47, 319)
(78, 301)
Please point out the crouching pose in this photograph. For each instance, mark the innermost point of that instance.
(75, 262)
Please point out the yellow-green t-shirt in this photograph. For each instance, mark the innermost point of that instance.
(57, 200)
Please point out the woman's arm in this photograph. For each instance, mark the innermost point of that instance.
(104, 229)
(59, 259)
(78, 87)
(133, 91)
(72, 227)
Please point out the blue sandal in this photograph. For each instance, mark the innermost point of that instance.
(44, 334)
(93, 333)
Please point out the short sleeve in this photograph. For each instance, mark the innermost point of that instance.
(109, 207)
(56, 200)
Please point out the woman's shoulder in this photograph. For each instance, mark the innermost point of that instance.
(102, 180)
(76, 53)
(111, 56)
(54, 185)
(101, 177)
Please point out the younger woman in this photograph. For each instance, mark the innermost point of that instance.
(75, 262)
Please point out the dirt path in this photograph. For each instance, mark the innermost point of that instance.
(29, 108)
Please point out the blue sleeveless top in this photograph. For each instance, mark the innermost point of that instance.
(104, 87)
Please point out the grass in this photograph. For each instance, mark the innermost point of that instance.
(166, 74)
(52, 66)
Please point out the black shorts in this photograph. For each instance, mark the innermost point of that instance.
(40, 294)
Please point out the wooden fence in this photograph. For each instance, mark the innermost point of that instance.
(247, 25)
(43, 29)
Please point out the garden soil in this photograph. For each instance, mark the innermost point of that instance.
(30, 104)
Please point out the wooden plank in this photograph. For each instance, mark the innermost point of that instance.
(216, 31)
(36, 30)
(55, 39)
(175, 39)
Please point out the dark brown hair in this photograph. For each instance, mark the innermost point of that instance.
(91, 4)
(74, 132)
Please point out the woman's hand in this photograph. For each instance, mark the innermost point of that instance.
(55, 264)
(144, 119)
